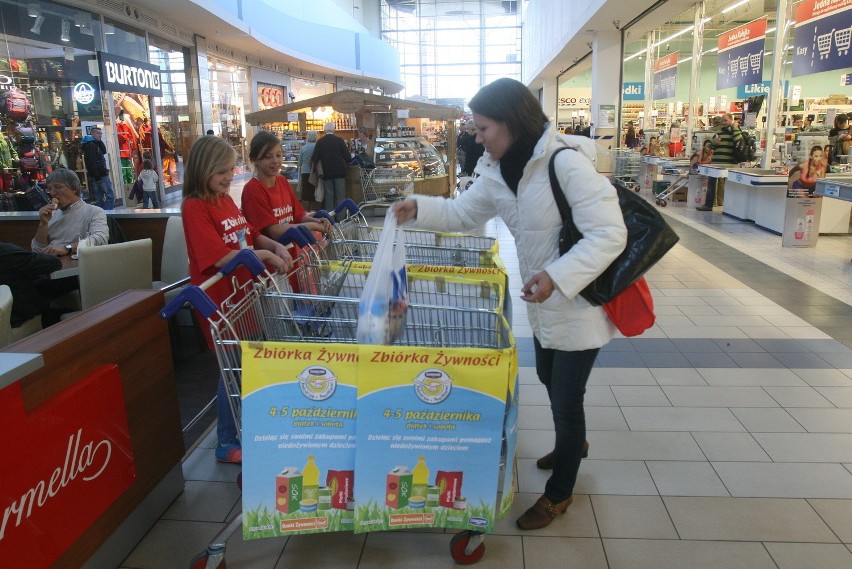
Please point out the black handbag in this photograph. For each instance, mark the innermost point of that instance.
(649, 237)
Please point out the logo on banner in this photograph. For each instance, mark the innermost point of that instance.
(84, 93)
(317, 383)
(432, 386)
(633, 91)
(665, 76)
(129, 75)
(269, 96)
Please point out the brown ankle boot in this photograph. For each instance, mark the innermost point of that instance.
(542, 513)
(546, 462)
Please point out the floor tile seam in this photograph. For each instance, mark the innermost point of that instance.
(820, 516)
(736, 248)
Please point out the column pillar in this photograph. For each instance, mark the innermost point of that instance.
(607, 56)
(549, 95)
(607, 60)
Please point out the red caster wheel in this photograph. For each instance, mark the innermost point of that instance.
(458, 546)
(201, 560)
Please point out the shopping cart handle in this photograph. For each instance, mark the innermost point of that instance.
(295, 235)
(307, 235)
(322, 213)
(347, 205)
(244, 257)
(196, 297)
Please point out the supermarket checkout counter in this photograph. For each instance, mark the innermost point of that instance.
(759, 195)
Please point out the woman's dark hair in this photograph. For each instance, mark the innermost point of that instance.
(147, 165)
(261, 143)
(510, 102)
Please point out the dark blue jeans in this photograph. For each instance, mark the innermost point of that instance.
(565, 374)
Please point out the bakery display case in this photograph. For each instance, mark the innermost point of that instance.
(290, 166)
(413, 153)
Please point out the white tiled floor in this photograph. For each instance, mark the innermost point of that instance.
(719, 439)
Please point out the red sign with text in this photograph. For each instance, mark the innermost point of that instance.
(66, 462)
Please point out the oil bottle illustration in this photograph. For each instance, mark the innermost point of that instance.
(420, 481)
(310, 477)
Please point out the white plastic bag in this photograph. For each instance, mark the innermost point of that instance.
(384, 300)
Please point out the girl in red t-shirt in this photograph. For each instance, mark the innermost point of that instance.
(268, 201)
(215, 231)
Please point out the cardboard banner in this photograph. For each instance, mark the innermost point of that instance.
(740, 57)
(822, 36)
(665, 77)
(430, 423)
(298, 437)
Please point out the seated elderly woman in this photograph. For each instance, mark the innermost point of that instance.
(67, 217)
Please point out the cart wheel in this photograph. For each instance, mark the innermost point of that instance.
(200, 561)
(458, 545)
(663, 203)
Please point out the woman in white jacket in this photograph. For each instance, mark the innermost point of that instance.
(513, 183)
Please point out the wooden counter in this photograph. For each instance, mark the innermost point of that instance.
(126, 332)
(19, 228)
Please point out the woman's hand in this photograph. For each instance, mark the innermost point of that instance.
(280, 260)
(322, 224)
(405, 210)
(538, 288)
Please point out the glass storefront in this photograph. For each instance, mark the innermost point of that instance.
(47, 90)
(172, 109)
(230, 95)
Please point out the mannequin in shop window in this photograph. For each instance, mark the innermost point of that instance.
(8, 160)
(127, 145)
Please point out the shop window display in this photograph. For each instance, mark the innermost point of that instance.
(44, 94)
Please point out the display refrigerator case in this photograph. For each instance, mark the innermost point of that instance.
(290, 166)
(414, 153)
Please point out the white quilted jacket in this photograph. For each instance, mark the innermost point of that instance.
(565, 321)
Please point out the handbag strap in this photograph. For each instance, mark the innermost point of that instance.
(570, 234)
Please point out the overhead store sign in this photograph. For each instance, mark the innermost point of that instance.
(822, 36)
(665, 77)
(745, 91)
(270, 96)
(129, 75)
(633, 91)
(740, 59)
(575, 98)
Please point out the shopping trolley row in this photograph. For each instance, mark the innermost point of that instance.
(318, 303)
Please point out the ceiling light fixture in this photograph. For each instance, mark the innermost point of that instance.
(66, 31)
(36, 29)
(109, 29)
(734, 6)
(33, 10)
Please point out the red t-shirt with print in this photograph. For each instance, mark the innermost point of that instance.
(265, 206)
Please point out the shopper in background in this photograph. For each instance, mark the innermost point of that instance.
(514, 183)
(215, 231)
(630, 139)
(97, 169)
(653, 148)
(268, 201)
(473, 149)
(839, 139)
(149, 179)
(724, 142)
(331, 153)
(306, 188)
(462, 141)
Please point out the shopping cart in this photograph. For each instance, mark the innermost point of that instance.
(386, 185)
(266, 309)
(755, 60)
(628, 166)
(677, 169)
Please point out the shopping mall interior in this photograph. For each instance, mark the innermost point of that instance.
(721, 437)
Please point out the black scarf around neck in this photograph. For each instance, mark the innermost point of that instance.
(512, 164)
